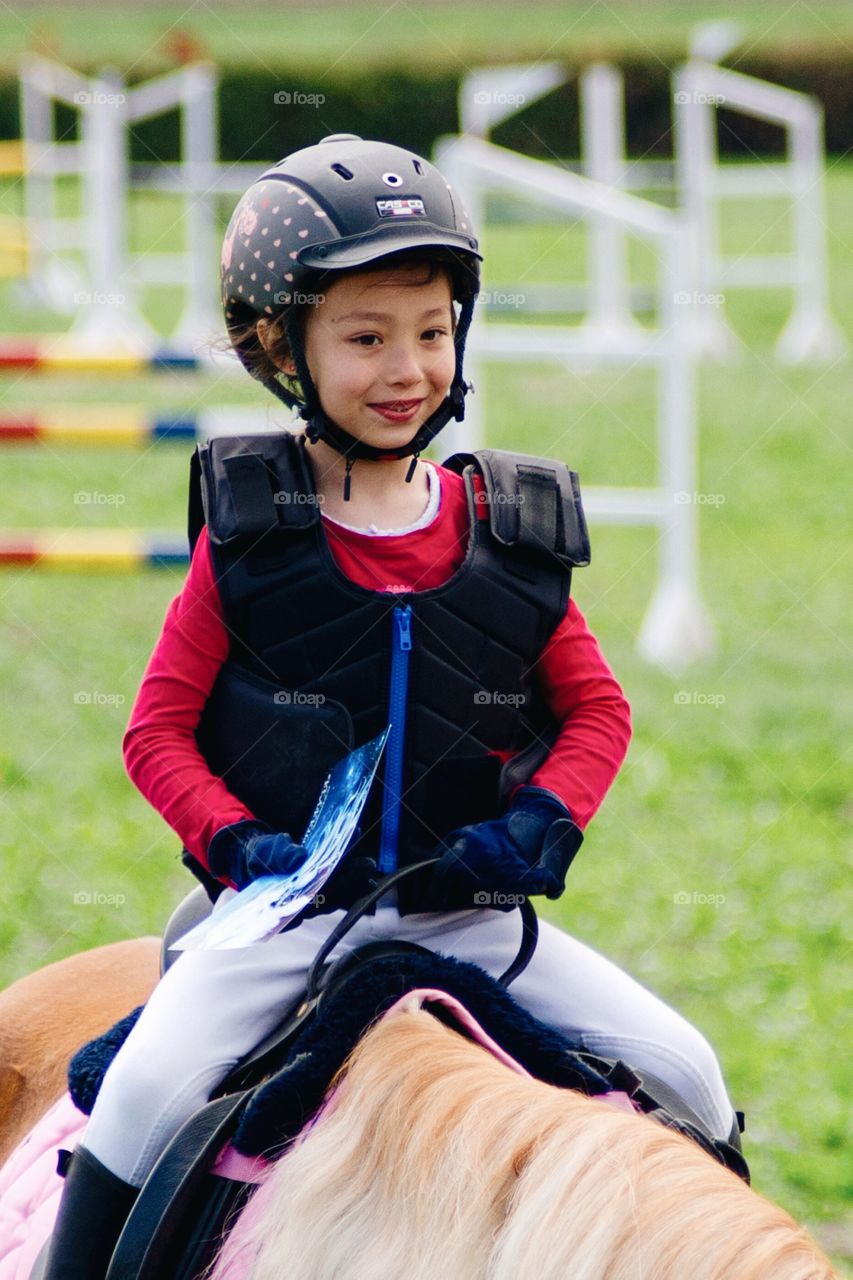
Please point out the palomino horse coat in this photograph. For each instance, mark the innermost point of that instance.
(436, 1155)
(432, 1158)
(46, 1016)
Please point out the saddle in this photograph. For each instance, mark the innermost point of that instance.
(199, 1184)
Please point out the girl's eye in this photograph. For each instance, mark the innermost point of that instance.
(372, 339)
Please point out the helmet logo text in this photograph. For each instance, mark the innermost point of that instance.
(401, 207)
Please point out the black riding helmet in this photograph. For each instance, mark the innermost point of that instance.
(342, 204)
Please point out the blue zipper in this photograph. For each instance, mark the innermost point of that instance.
(401, 648)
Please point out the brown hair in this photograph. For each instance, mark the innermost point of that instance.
(264, 362)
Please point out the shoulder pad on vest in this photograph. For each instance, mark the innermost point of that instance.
(534, 503)
(245, 486)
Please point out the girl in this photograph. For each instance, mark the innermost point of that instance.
(339, 582)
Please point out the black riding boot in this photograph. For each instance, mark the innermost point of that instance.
(94, 1207)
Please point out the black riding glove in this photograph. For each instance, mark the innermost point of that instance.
(496, 864)
(246, 850)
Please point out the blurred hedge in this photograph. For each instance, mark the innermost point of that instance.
(415, 107)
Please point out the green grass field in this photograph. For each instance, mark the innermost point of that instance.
(742, 803)
(406, 34)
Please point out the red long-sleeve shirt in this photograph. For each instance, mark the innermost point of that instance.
(160, 749)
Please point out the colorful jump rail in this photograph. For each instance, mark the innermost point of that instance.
(65, 357)
(101, 426)
(91, 550)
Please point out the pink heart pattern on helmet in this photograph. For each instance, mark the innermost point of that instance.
(272, 222)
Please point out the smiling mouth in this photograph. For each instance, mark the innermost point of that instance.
(398, 411)
(398, 406)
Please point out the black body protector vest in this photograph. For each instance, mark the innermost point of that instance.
(319, 665)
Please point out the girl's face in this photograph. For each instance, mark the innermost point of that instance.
(380, 349)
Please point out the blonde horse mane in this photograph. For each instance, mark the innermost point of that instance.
(434, 1159)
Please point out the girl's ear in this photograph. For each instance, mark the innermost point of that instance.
(275, 345)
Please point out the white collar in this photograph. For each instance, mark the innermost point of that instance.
(428, 515)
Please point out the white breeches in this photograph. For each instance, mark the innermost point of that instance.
(213, 1007)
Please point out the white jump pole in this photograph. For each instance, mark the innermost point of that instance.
(486, 97)
(39, 200)
(192, 90)
(695, 164)
(194, 179)
(45, 159)
(108, 316)
(810, 334)
(677, 628)
(202, 317)
(602, 102)
(106, 310)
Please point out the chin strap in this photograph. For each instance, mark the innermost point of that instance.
(321, 427)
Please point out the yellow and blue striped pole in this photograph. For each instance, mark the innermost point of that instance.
(62, 355)
(99, 426)
(92, 550)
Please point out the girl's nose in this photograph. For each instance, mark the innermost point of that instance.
(403, 366)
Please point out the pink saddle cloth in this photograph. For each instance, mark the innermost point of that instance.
(30, 1188)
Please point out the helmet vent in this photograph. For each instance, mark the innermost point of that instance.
(342, 171)
(418, 166)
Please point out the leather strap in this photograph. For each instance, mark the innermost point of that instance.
(529, 935)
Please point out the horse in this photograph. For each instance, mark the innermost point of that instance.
(434, 1153)
(432, 1158)
(47, 1015)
